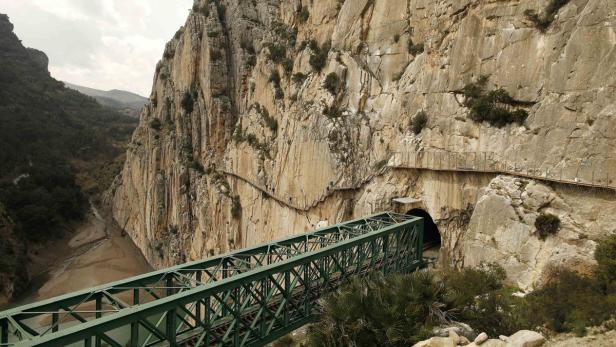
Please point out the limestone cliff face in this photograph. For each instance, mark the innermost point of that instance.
(242, 142)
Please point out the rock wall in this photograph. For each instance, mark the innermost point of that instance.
(242, 142)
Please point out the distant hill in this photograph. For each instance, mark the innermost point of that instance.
(125, 102)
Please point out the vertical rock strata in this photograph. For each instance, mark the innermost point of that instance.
(242, 141)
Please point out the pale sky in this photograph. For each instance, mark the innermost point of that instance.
(102, 44)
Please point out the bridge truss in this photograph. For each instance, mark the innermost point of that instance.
(245, 298)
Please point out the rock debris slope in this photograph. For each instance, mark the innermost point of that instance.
(272, 117)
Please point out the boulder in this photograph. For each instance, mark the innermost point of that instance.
(481, 338)
(463, 341)
(526, 338)
(436, 342)
(489, 343)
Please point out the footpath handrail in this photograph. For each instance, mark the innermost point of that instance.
(584, 173)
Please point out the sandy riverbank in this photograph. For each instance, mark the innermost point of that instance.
(95, 254)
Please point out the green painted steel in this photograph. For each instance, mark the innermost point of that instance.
(245, 298)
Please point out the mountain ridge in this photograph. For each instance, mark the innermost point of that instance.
(126, 102)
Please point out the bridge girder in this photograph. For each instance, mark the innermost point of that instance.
(244, 298)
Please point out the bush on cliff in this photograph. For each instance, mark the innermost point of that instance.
(495, 107)
(546, 225)
(605, 254)
(543, 22)
(401, 310)
(570, 302)
(419, 122)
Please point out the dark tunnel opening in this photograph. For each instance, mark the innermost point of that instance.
(432, 237)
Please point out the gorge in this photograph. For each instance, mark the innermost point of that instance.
(273, 117)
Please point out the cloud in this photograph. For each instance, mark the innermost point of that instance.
(104, 44)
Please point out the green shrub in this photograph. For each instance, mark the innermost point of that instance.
(303, 14)
(275, 79)
(156, 124)
(332, 83)
(318, 58)
(401, 310)
(415, 49)
(251, 61)
(419, 122)
(236, 207)
(546, 225)
(188, 103)
(277, 53)
(605, 254)
(212, 34)
(332, 111)
(287, 65)
(270, 121)
(396, 38)
(495, 107)
(570, 302)
(543, 22)
(299, 78)
(195, 165)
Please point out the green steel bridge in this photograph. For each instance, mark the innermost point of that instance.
(248, 297)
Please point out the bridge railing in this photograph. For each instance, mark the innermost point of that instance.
(249, 297)
(583, 172)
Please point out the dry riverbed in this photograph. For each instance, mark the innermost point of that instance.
(96, 253)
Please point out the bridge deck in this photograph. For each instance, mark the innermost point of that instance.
(245, 298)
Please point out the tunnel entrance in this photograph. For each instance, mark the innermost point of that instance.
(432, 237)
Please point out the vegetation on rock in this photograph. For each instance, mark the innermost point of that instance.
(236, 207)
(275, 79)
(496, 107)
(299, 78)
(304, 14)
(544, 21)
(332, 83)
(419, 122)
(547, 224)
(155, 124)
(415, 48)
(188, 101)
(277, 53)
(401, 310)
(318, 58)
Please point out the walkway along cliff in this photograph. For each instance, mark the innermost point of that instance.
(270, 117)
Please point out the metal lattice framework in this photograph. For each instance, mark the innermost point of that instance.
(245, 298)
